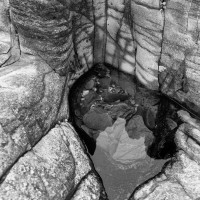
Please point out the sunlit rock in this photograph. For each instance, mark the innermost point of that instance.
(120, 44)
(52, 169)
(45, 46)
(31, 96)
(90, 188)
(147, 30)
(180, 53)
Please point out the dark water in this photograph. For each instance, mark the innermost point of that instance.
(151, 142)
(121, 180)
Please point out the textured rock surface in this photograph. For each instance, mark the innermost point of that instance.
(139, 37)
(30, 98)
(120, 47)
(49, 167)
(148, 25)
(90, 189)
(46, 45)
(53, 169)
(86, 32)
(179, 77)
(180, 178)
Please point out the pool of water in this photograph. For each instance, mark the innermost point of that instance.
(121, 180)
(128, 129)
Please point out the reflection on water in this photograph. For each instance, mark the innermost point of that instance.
(121, 179)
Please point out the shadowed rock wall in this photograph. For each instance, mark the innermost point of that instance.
(72, 36)
(145, 38)
(180, 53)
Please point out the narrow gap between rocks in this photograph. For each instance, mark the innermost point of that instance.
(128, 130)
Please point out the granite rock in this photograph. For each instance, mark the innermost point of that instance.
(31, 96)
(180, 177)
(179, 64)
(55, 168)
(46, 45)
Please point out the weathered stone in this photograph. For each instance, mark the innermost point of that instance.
(100, 21)
(148, 23)
(45, 172)
(90, 189)
(180, 178)
(97, 120)
(82, 162)
(152, 39)
(120, 43)
(31, 95)
(35, 21)
(179, 71)
(53, 169)
(83, 31)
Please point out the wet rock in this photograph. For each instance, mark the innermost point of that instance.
(90, 84)
(91, 132)
(171, 123)
(122, 110)
(120, 147)
(131, 128)
(89, 98)
(180, 177)
(126, 82)
(97, 120)
(85, 92)
(164, 131)
(136, 128)
(105, 82)
(149, 118)
(112, 97)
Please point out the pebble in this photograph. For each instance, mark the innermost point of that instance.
(112, 97)
(104, 82)
(90, 84)
(89, 98)
(97, 121)
(149, 119)
(77, 112)
(171, 123)
(85, 92)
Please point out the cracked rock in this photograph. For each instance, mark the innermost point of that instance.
(180, 178)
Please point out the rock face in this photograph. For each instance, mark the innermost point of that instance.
(31, 97)
(53, 169)
(180, 178)
(179, 70)
(150, 39)
(46, 45)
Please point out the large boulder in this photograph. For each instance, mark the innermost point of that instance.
(30, 101)
(57, 167)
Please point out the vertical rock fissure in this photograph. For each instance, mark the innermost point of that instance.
(162, 10)
(14, 51)
(62, 97)
(11, 166)
(106, 29)
(94, 31)
(118, 35)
